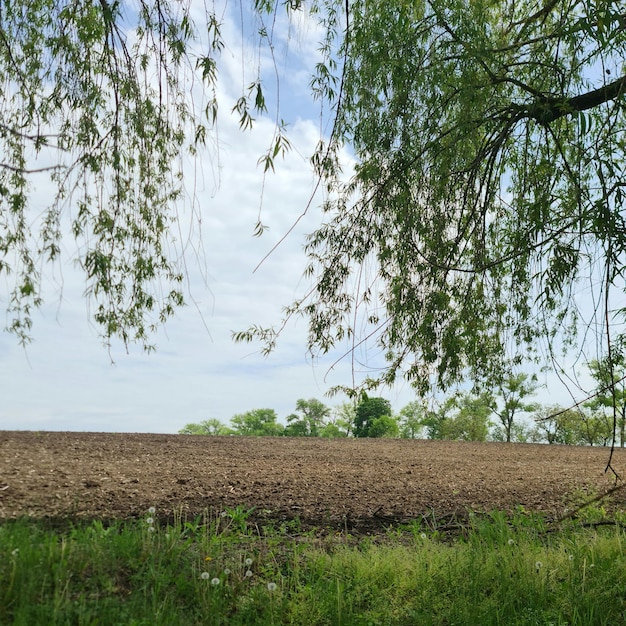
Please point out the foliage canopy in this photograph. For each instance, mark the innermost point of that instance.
(258, 422)
(372, 418)
(489, 178)
(101, 103)
(463, 417)
(513, 392)
(308, 420)
(610, 400)
(94, 101)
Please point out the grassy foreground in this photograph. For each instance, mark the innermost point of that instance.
(224, 570)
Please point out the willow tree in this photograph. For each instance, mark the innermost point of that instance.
(488, 139)
(100, 102)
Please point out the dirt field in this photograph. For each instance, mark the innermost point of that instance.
(359, 485)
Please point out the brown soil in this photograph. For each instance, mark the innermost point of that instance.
(359, 485)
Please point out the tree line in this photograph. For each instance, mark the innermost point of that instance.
(506, 414)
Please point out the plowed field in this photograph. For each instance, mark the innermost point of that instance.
(358, 485)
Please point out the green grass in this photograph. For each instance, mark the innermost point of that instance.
(223, 570)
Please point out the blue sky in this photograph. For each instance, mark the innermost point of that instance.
(66, 379)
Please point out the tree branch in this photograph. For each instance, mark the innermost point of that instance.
(541, 14)
(547, 110)
(23, 170)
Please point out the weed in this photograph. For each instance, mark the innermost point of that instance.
(213, 569)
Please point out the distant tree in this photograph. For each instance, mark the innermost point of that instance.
(367, 411)
(611, 387)
(342, 419)
(332, 431)
(555, 425)
(211, 426)
(260, 422)
(596, 426)
(309, 419)
(434, 421)
(512, 391)
(413, 419)
(385, 426)
(520, 433)
(466, 417)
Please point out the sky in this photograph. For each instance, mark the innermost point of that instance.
(66, 380)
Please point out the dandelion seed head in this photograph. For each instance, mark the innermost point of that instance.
(248, 574)
(152, 510)
(226, 571)
(571, 557)
(205, 575)
(271, 586)
(248, 562)
(215, 581)
(150, 520)
(150, 529)
(538, 565)
(511, 542)
(423, 535)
